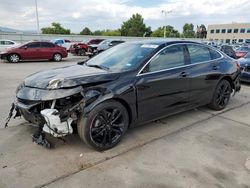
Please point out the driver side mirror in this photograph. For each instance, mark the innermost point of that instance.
(25, 47)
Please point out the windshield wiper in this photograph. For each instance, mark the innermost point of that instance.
(98, 66)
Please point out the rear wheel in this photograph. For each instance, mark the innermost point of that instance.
(221, 95)
(81, 52)
(104, 126)
(13, 58)
(57, 57)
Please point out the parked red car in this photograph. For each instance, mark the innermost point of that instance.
(242, 51)
(79, 48)
(35, 50)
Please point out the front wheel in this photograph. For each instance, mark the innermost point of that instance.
(57, 57)
(104, 126)
(13, 58)
(221, 95)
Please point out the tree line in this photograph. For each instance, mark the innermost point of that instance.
(135, 27)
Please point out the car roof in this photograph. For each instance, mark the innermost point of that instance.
(164, 41)
(6, 40)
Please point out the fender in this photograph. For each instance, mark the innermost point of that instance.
(95, 96)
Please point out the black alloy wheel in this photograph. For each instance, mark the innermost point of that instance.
(105, 126)
(221, 96)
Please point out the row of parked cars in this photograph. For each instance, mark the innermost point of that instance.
(93, 46)
(57, 49)
(53, 50)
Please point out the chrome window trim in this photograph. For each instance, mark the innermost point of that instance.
(203, 62)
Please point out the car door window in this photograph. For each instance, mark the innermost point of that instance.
(2, 42)
(170, 57)
(9, 43)
(47, 45)
(198, 53)
(33, 45)
(59, 42)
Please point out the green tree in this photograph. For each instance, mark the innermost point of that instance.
(170, 32)
(135, 27)
(109, 32)
(86, 31)
(97, 32)
(55, 28)
(201, 31)
(188, 30)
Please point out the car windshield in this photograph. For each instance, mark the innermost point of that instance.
(123, 57)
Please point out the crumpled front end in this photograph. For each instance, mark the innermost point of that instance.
(53, 111)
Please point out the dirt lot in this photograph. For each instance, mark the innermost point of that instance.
(198, 148)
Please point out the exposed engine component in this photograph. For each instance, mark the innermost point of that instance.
(54, 125)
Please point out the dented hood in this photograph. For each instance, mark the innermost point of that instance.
(71, 75)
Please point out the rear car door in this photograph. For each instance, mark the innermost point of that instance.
(202, 73)
(163, 84)
(47, 50)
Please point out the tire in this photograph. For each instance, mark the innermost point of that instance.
(104, 127)
(57, 57)
(81, 52)
(221, 95)
(13, 58)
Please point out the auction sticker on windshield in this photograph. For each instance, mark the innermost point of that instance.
(149, 46)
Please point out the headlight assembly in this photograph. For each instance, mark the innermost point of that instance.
(55, 83)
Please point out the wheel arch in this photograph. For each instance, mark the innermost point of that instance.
(229, 79)
(14, 53)
(120, 100)
(56, 53)
(126, 105)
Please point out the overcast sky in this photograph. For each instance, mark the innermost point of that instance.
(109, 14)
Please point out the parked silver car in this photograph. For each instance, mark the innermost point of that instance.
(4, 44)
(106, 44)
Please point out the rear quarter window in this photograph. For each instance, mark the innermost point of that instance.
(47, 45)
(198, 53)
(214, 54)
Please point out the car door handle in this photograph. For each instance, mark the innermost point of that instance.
(215, 67)
(183, 74)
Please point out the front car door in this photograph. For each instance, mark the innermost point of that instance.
(163, 85)
(30, 50)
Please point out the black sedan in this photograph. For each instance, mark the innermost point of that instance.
(245, 67)
(125, 86)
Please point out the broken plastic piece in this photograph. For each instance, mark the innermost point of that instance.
(40, 140)
(10, 115)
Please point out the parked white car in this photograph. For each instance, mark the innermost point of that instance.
(63, 42)
(5, 44)
(106, 44)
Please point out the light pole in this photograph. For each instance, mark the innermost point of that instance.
(165, 12)
(37, 19)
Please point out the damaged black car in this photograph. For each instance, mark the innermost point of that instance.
(128, 85)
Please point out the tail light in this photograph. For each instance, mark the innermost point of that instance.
(237, 64)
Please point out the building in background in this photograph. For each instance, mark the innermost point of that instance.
(229, 33)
